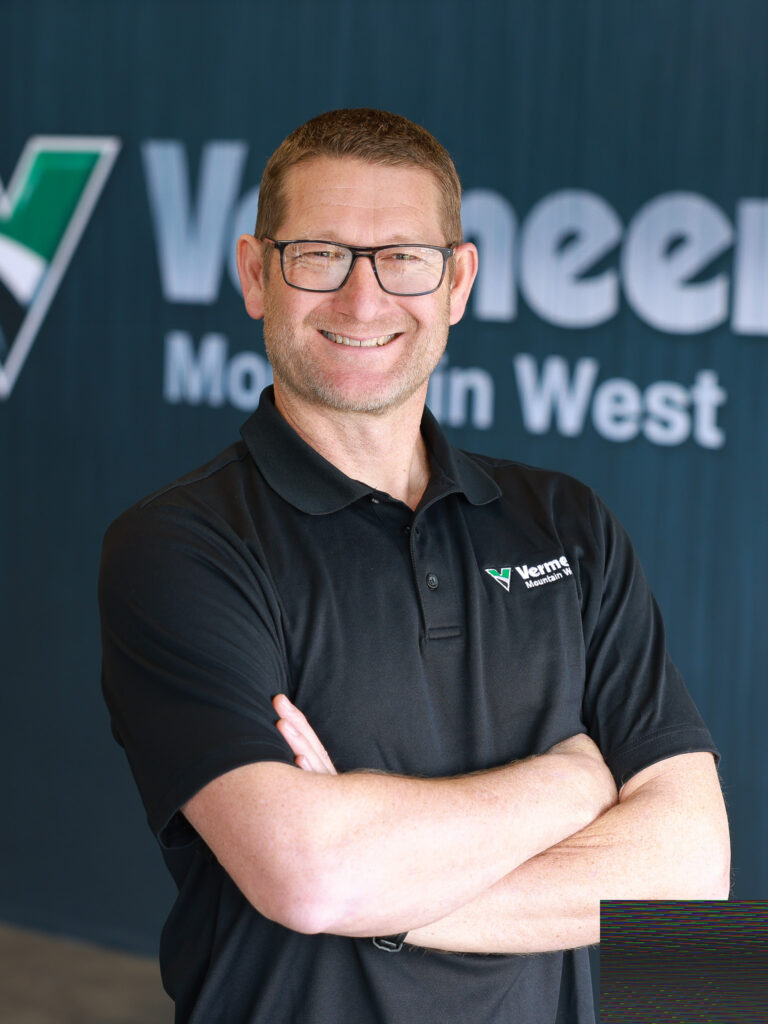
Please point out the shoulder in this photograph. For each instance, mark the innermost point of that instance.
(532, 487)
(211, 491)
(200, 517)
(215, 482)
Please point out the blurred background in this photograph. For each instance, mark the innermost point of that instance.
(614, 157)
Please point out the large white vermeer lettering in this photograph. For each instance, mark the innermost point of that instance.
(570, 256)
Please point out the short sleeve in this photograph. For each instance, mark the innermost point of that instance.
(636, 705)
(192, 655)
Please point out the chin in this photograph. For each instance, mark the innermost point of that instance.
(371, 403)
(329, 395)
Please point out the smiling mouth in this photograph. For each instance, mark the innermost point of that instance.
(341, 339)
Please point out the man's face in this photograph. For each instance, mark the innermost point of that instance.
(323, 346)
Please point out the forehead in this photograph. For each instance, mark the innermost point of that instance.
(348, 200)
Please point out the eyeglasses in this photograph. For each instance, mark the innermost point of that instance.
(318, 266)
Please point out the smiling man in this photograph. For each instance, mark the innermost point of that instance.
(371, 752)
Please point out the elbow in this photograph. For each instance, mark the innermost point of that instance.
(722, 890)
(707, 875)
(306, 898)
(710, 888)
(706, 884)
(718, 879)
(321, 902)
(719, 884)
(719, 874)
(698, 883)
(309, 916)
(701, 850)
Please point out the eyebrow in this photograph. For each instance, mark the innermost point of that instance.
(333, 236)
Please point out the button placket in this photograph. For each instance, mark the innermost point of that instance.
(442, 616)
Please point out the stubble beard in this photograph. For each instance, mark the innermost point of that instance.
(295, 371)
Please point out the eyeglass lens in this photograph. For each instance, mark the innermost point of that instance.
(402, 269)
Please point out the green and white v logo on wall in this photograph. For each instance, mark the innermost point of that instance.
(49, 201)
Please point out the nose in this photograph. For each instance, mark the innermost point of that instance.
(361, 295)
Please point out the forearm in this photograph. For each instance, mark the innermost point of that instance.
(667, 839)
(357, 854)
(418, 848)
(553, 900)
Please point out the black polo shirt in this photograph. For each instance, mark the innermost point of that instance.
(503, 615)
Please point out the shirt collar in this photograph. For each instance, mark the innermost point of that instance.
(304, 478)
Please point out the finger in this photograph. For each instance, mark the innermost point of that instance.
(309, 756)
(305, 754)
(289, 713)
(311, 747)
(301, 737)
(295, 741)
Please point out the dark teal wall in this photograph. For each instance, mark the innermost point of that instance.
(615, 159)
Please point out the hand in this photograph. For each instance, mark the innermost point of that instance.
(310, 754)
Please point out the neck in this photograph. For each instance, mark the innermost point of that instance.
(384, 450)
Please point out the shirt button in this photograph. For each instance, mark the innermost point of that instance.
(432, 581)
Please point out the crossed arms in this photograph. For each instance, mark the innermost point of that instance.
(511, 860)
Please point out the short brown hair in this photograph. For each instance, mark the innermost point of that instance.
(374, 136)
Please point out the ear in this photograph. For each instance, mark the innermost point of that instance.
(250, 267)
(465, 271)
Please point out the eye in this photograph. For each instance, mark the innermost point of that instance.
(410, 257)
(314, 256)
(325, 254)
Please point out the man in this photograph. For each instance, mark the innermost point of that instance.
(470, 640)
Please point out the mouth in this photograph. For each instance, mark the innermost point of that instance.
(342, 339)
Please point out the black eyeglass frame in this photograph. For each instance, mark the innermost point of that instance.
(368, 252)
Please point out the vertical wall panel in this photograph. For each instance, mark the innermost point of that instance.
(621, 334)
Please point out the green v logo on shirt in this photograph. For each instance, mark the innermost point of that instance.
(49, 201)
(502, 576)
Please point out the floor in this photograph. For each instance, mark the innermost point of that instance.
(46, 980)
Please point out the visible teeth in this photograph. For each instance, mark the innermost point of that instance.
(340, 339)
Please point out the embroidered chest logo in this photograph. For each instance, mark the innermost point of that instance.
(501, 576)
(533, 575)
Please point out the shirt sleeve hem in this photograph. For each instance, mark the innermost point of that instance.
(632, 758)
(168, 823)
